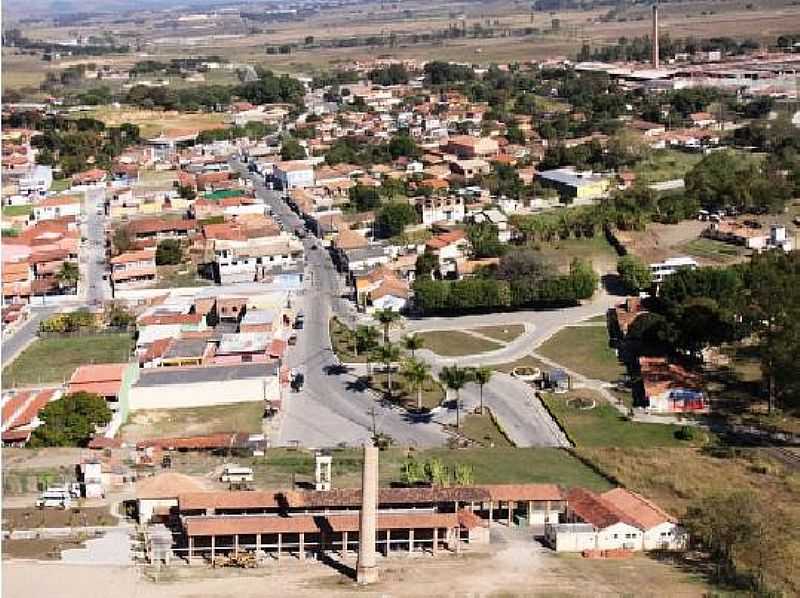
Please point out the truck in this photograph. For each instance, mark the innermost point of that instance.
(235, 474)
(55, 497)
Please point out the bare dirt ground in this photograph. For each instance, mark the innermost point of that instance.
(513, 567)
(660, 241)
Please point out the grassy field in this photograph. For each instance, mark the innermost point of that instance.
(11, 211)
(529, 361)
(501, 333)
(237, 417)
(342, 342)
(490, 466)
(665, 165)
(602, 425)
(52, 360)
(596, 250)
(454, 343)
(432, 392)
(678, 478)
(483, 430)
(179, 276)
(714, 252)
(584, 349)
(152, 122)
(60, 185)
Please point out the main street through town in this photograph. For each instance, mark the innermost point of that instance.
(333, 407)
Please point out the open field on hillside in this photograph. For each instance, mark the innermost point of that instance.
(153, 122)
(584, 349)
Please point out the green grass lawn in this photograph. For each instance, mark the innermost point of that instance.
(584, 349)
(52, 360)
(11, 211)
(596, 250)
(499, 465)
(432, 392)
(603, 425)
(501, 333)
(454, 343)
(483, 430)
(343, 344)
(60, 185)
(181, 276)
(665, 165)
(715, 251)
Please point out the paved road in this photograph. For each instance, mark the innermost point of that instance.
(540, 325)
(15, 344)
(93, 255)
(332, 408)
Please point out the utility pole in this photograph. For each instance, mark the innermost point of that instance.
(374, 423)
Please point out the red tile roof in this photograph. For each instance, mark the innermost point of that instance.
(446, 239)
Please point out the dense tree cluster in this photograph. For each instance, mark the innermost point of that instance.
(641, 48)
(268, 89)
(76, 145)
(354, 150)
(71, 421)
(394, 74)
(521, 280)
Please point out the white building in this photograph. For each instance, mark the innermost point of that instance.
(441, 209)
(615, 520)
(670, 266)
(255, 259)
(37, 182)
(201, 386)
(293, 174)
(57, 206)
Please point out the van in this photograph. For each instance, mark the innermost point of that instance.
(236, 474)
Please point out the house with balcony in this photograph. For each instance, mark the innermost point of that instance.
(133, 269)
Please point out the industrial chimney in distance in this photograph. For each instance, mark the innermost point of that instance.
(367, 567)
(655, 36)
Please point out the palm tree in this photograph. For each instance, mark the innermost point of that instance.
(412, 342)
(68, 275)
(387, 354)
(366, 339)
(481, 375)
(386, 317)
(416, 372)
(455, 378)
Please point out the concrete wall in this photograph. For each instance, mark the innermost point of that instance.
(148, 506)
(202, 394)
(574, 541)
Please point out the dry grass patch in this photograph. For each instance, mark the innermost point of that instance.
(501, 333)
(454, 343)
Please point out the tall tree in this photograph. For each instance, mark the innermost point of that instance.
(412, 342)
(71, 420)
(415, 373)
(455, 378)
(388, 354)
(386, 317)
(482, 375)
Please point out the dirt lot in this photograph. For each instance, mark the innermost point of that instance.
(660, 241)
(76, 517)
(514, 566)
(240, 417)
(39, 549)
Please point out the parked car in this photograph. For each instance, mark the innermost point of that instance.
(298, 380)
(292, 339)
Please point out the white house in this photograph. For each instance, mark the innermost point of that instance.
(38, 181)
(449, 248)
(617, 519)
(441, 209)
(255, 259)
(293, 174)
(670, 266)
(57, 206)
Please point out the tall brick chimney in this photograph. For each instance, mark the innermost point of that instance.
(367, 568)
(655, 36)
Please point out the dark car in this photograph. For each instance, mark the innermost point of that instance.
(297, 382)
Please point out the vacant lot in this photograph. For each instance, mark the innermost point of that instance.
(153, 122)
(596, 250)
(660, 241)
(713, 253)
(182, 275)
(502, 333)
(665, 165)
(52, 360)
(584, 349)
(453, 343)
(238, 417)
(603, 426)
(74, 517)
(39, 549)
